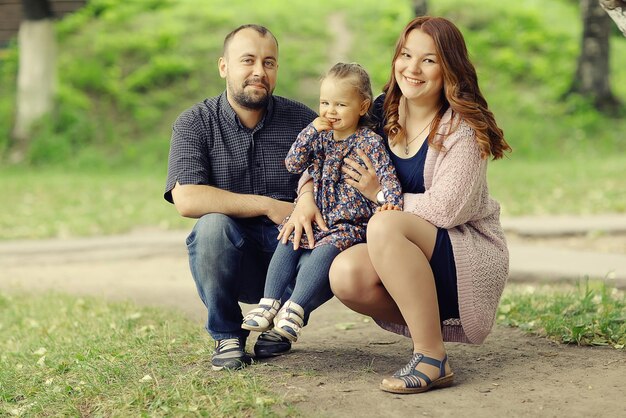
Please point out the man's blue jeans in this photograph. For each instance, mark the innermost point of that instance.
(229, 258)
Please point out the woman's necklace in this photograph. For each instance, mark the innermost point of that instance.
(407, 143)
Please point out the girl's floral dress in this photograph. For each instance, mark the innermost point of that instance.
(345, 210)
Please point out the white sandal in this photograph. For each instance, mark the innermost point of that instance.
(261, 318)
(289, 321)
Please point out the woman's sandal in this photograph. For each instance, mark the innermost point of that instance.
(411, 380)
(289, 321)
(261, 318)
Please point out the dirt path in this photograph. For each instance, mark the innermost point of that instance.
(510, 375)
(335, 368)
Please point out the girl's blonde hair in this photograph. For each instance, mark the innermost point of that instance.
(360, 80)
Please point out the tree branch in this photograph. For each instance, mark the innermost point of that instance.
(616, 9)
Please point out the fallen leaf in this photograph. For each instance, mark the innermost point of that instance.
(40, 352)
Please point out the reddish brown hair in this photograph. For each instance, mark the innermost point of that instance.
(460, 88)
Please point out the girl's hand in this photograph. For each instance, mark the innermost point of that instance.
(322, 124)
(362, 178)
(388, 206)
(304, 214)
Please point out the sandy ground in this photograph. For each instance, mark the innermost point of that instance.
(335, 368)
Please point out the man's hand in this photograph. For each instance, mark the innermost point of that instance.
(277, 210)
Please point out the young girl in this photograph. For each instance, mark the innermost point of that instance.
(434, 271)
(338, 133)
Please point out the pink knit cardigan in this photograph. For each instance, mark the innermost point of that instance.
(457, 198)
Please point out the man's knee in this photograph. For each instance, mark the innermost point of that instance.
(214, 254)
(214, 232)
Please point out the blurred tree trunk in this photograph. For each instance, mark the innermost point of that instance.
(593, 71)
(420, 7)
(617, 11)
(36, 80)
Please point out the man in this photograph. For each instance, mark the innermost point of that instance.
(226, 167)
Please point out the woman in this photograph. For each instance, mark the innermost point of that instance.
(436, 270)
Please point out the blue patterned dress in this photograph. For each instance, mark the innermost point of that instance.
(345, 210)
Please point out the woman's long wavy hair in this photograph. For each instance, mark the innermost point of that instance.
(460, 88)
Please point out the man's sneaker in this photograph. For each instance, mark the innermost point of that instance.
(271, 344)
(230, 354)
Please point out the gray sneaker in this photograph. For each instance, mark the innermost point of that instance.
(230, 354)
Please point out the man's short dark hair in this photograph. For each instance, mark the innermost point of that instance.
(260, 29)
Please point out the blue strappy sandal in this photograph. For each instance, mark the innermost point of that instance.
(411, 377)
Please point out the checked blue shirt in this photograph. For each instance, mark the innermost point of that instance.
(210, 146)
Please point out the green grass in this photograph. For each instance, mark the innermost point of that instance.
(588, 314)
(49, 202)
(54, 203)
(577, 186)
(68, 356)
(74, 356)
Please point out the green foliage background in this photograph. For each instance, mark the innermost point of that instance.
(128, 68)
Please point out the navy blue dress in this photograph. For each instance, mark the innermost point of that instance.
(410, 172)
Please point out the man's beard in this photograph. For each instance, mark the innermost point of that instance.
(249, 100)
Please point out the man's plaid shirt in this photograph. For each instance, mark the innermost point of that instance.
(211, 147)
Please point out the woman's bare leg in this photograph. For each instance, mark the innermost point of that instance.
(356, 284)
(400, 246)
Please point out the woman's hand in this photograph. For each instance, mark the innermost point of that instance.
(388, 206)
(364, 179)
(304, 214)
